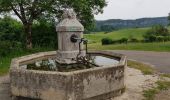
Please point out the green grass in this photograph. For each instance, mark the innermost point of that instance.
(144, 68)
(5, 61)
(95, 41)
(165, 75)
(132, 46)
(124, 33)
(150, 93)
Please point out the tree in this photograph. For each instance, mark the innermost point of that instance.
(156, 33)
(10, 29)
(30, 10)
(107, 28)
(169, 19)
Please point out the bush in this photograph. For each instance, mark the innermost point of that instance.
(157, 33)
(5, 48)
(160, 38)
(167, 38)
(106, 41)
(44, 34)
(134, 40)
(123, 40)
(150, 38)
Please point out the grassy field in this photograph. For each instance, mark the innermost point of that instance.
(95, 41)
(124, 33)
(161, 47)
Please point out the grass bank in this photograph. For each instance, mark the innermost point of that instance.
(144, 68)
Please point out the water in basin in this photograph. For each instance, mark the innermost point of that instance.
(51, 65)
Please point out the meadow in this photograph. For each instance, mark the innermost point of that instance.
(157, 46)
(95, 41)
(124, 33)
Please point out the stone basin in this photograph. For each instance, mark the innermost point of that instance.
(98, 83)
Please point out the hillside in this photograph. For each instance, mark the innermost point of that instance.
(123, 33)
(118, 23)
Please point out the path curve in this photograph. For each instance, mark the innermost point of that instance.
(160, 60)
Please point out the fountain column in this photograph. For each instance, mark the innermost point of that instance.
(69, 26)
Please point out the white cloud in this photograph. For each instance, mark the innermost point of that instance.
(132, 9)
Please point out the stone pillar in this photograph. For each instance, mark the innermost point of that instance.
(67, 50)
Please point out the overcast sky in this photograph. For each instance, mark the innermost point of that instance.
(133, 9)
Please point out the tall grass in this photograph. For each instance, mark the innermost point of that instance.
(5, 61)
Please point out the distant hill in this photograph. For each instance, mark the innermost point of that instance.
(113, 24)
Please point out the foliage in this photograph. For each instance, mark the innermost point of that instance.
(44, 34)
(10, 29)
(107, 28)
(169, 19)
(157, 33)
(123, 40)
(134, 40)
(30, 10)
(7, 47)
(106, 41)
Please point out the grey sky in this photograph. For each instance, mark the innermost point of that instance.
(133, 9)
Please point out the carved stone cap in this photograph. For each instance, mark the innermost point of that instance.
(70, 14)
(69, 23)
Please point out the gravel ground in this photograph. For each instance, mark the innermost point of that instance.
(136, 82)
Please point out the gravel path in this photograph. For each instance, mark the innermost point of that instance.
(4, 88)
(160, 60)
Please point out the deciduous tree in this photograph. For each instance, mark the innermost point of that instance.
(30, 10)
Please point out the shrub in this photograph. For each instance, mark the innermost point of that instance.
(123, 40)
(5, 48)
(167, 38)
(160, 38)
(150, 38)
(134, 40)
(106, 41)
(157, 33)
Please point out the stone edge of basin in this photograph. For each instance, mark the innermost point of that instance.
(103, 83)
(16, 62)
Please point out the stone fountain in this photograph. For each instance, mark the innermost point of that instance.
(71, 73)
